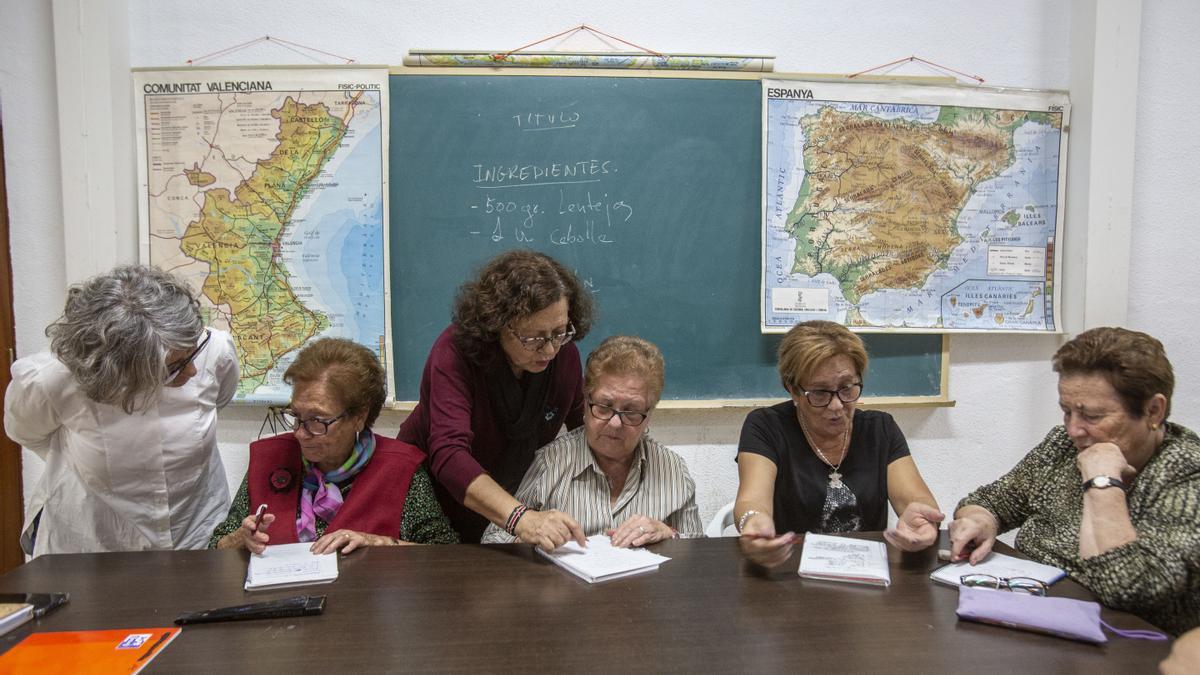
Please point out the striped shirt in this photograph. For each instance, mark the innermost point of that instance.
(565, 476)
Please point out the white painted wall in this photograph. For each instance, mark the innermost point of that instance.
(1003, 384)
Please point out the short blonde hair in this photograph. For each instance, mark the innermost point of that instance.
(626, 355)
(807, 345)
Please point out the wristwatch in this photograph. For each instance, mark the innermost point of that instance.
(1102, 482)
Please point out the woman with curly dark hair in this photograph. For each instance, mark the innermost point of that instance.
(499, 383)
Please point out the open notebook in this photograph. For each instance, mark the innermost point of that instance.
(287, 565)
(998, 565)
(601, 561)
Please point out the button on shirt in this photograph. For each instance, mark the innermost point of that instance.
(120, 482)
(566, 477)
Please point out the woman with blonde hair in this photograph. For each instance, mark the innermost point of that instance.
(815, 463)
(610, 475)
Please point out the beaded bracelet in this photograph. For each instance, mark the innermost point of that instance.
(745, 516)
(510, 525)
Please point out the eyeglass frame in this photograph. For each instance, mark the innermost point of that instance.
(285, 413)
(173, 372)
(1038, 586)
(831, 393)
(592, 405)
(559, 340)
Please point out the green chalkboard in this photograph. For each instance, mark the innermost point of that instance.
(648, 187)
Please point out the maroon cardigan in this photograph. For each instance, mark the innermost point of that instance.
(454, 423)
(375, 504)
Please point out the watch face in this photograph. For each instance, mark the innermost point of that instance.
(1101, 481)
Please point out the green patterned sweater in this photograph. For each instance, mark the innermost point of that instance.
(1156, 576)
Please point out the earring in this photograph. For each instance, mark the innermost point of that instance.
(1154, 427)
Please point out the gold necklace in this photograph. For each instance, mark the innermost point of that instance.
(835, 477)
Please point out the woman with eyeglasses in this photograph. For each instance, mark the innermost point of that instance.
(331, 480)
(816, 463)
(1112, 495)
(123, 410)
(610, 475)
(499, 383)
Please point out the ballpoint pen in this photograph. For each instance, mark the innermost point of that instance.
(258, 515)
(150, 650)
(792, 536)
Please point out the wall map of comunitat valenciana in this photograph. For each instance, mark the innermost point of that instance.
(266, 191)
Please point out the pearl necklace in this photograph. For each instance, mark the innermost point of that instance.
(835, 477)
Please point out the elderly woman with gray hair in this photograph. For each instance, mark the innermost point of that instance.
(123, 410)
(610, 474)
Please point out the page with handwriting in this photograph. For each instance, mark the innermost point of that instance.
(833, 558)
(286, 565)
(998, 565)
(601, 561)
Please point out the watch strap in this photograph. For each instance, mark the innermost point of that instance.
(1104, 482)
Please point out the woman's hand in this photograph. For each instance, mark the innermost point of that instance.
(247, 537)
(1104, 459)
(972, 534)
(760, 543)
(549, 529)
(346, 541)
(916, 529)
(639, 530)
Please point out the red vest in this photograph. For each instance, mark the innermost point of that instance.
(375, 504)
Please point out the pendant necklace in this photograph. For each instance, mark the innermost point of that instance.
(835, 477)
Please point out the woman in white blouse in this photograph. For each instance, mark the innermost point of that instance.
(609, 474)
(123, 410)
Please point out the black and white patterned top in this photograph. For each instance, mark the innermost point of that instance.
(1156, 576)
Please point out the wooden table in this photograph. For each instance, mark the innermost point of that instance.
(502, 608)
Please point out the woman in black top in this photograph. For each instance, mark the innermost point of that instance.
(816, 464)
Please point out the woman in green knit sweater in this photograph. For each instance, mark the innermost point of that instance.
(1113, 494)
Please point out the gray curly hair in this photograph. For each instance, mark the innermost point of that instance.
(117, 329)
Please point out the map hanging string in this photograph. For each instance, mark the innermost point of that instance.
(286, 44)
(910, 59)
(568, 33)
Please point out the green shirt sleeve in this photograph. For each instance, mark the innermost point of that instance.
(1008, 498)
(423, 521)
(237, 513)
(1158, 572)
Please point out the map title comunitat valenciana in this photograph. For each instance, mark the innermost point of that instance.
(211, 87)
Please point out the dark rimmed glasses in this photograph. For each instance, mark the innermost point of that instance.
(819, 398)
(1025, 585)
(174, 369)
(537, 344)
(630, 418)
(315, 426)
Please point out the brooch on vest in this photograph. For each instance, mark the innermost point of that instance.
(281, 479)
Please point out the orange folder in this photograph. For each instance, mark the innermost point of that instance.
(125, 650)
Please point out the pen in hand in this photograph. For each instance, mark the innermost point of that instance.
(792, 536)
(258, 515)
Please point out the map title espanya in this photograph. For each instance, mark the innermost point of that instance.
(212, 87)
(773, 92)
